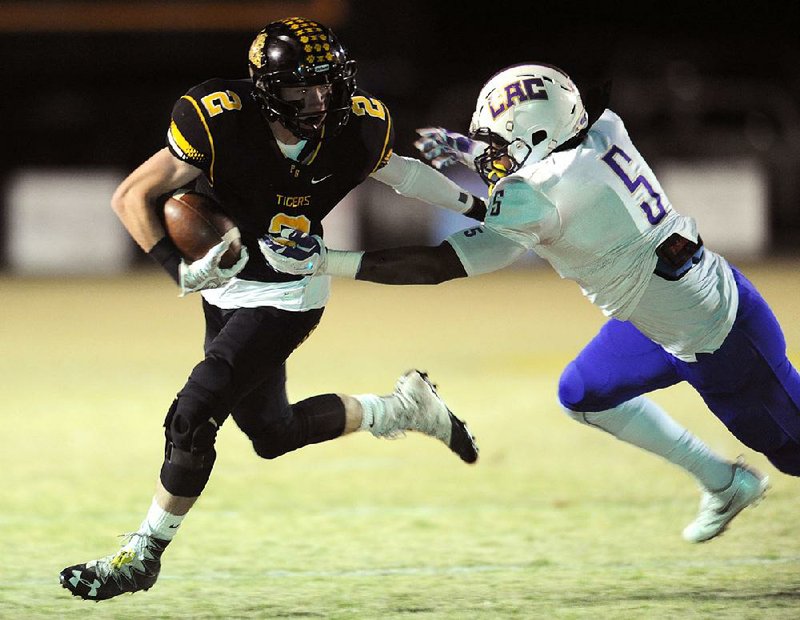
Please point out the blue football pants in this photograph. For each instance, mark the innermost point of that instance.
(748, 383)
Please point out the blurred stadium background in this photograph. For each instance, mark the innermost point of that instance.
(711, 96)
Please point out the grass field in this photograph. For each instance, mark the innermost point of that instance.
(555, 521)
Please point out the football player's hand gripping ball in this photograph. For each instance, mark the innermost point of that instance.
(446, 148)
(205, 272)
(292, 251)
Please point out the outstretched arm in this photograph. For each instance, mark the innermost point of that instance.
(469, 252)
(411, 265)
(412, 178)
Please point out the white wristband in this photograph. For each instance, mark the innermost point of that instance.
(343, 263)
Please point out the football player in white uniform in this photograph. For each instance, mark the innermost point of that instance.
(572, 187)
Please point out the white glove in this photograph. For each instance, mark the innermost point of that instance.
(205, 272)
(293, 251)
(445, 148)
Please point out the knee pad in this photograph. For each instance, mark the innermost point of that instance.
(277, 439)
(579, 392)
(571, 389)
(313, 420)
(189, 453)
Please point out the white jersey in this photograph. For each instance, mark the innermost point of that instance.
(307, 293)
(597, 214)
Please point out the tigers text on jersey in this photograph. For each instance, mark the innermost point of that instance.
(218, 128)
(597, 214)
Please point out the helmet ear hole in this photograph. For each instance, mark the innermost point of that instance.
(538, 136)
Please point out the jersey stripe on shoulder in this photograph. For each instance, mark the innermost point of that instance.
(182, 145)
(386, 151)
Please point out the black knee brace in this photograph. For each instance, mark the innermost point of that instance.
(189, 453)
(313, 420)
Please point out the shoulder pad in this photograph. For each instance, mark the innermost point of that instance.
(215, 96)
(197, 116)
(376, 128)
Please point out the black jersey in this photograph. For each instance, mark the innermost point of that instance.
(217, 127)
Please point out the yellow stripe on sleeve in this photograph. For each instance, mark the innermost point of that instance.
(384, 153)
(182, 144)
(208, 133)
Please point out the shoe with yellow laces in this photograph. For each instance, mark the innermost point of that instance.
(134, 567)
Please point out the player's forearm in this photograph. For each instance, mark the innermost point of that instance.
(138, 215)
(411, 265)
(308, 256)
(135, 200)
(411, 178)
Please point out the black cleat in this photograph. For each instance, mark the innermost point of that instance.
(462, 441)
(134, 567)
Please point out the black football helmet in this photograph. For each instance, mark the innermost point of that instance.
(301, 52)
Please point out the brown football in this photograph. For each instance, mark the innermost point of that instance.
(196, 223)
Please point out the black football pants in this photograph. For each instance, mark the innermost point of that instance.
(244, 374)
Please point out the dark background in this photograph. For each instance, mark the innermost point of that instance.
(690, 81)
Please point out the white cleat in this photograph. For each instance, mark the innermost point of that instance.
(418, 407)
(718, 509)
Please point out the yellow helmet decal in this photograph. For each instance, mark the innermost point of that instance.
(312, 37)
(256, 54)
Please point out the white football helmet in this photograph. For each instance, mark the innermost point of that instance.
(525, 112)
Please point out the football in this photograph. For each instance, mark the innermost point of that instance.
(196, 223)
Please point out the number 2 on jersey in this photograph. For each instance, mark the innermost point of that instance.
(218, 102)
(373, 107)
(297, 222)
(653, 216)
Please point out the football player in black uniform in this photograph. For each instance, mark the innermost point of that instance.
(278, 150)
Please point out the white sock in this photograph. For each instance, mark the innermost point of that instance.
(159, 523)
(642, 423)
(373, 409)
